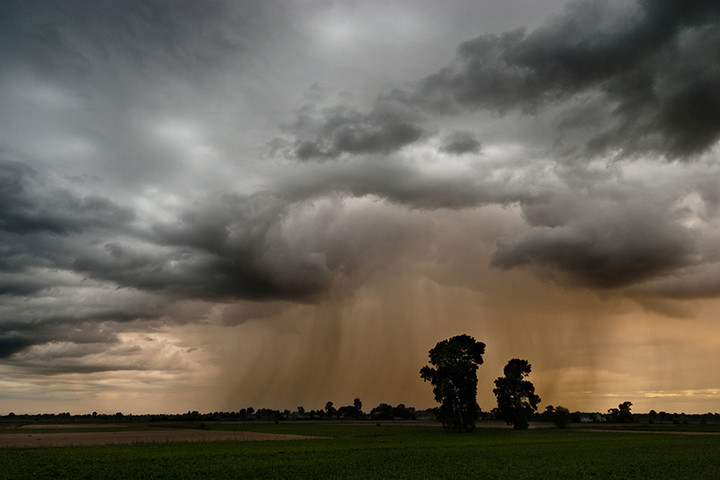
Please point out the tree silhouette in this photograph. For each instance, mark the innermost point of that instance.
(561, 417)
(622, 413)
(516, 396)
(358, 406)
(454, 380)
(625, 415)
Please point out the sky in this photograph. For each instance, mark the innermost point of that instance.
(222, 204)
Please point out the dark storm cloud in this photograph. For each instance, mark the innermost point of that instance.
(71, 310)
(40, 226)
(11, 344)
(44, 228)
(233, 247)
(603, 252)
(651, 68)
(39, 223)
(19, 334)
(388, 127)
(605, 231)
(236, 247)
(29, 206)
(656, 66)
(459, 143)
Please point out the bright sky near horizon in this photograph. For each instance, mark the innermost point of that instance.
(215, 205)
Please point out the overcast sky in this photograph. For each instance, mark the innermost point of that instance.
(215, 205)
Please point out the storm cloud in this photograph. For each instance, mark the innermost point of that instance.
(653, 68)
(460, 143)
(173, 172)
(343, 130)
(616, 81)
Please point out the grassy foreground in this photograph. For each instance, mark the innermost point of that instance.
(383, 452)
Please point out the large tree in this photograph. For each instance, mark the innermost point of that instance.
(516, 397)
(454, 379)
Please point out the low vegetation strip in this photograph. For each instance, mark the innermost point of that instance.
(657, 432)
(130, 437)
(369, 451)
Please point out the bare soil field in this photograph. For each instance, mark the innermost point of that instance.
(68, 438)
(64, 426)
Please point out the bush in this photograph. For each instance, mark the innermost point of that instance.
(562, 417)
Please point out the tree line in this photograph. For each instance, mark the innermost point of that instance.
(383, 411)
(559, 415)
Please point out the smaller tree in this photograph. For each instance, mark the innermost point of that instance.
(653, 415)
(347, 411)
(561, 417)
(516, 396)
(624, 412)
(382, 412)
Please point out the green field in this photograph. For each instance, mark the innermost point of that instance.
(386, 451)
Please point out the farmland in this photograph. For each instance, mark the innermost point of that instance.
(370, 450)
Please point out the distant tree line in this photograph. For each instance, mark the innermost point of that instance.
(383, 411)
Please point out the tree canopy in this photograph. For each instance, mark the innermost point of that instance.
(622, 413)
(516, 396)
(454, 379)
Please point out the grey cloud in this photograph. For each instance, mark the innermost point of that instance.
(600, 255)
(696, 283)
(19, 335)
(28, 206)
(233, 247)
(243, 249)
(388, 127)
(59, 367)
(67, 40)
(459, 143)
(616, 238)
(483, 78)
(652, 67)
(654, 64)
(45, 229)
(11, 344)
(403, 184)
(42, 225)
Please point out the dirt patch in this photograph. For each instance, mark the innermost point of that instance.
(127, 437)
(70, 426)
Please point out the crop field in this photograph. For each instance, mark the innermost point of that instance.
(366, 450)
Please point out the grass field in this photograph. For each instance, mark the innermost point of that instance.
(384, 451)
